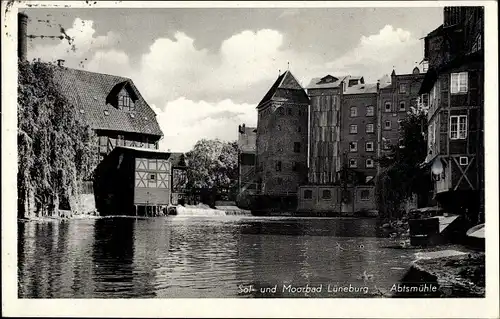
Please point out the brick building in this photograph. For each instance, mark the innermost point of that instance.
(359, 130)
(454, 86)
(281, 142)
(395, 100)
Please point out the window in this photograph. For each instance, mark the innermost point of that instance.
(354, 111)
(387, 106)
(370, 111)
(296, 147)
(459, 82)
(387, 125)
(402, 106)
(152, 180)
(369, 128)
(353, 146)
(369, 146)
(278, 127)
(458, 127)
(278, 166)
(353, 163)
(299, 129)
(281, 111)
(353, 129)
(365, 194)
(402, 88)
(326, 194)
(308, 194)
(295, 166)
(290, 112)
(464, 160)
(125, 102)
(369, 163)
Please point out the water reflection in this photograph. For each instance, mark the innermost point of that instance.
(201, 257)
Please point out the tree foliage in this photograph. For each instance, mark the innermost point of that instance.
(401, 175)
(54, 147)
(213, 165)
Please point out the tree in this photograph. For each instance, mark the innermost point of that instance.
(54, 147)
(212, 166)
(401, 175)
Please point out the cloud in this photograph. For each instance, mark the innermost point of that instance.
(84, 41)
(184, 121)
(372, 55)
(175, 67)
(111, 62)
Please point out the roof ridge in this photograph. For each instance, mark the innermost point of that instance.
(100, 73)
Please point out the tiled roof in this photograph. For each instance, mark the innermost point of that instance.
(361, 89)
(90, 92)
(319, 83)
(285, 88)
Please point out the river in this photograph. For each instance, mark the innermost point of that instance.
(224, 256)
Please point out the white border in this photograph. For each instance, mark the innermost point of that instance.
(377, 308)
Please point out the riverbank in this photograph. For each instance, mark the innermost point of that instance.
(452, 273)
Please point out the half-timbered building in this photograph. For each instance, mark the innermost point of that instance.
(453, 92)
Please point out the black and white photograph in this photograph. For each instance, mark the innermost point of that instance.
(161, 151)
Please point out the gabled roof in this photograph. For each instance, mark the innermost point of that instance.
(285, 88)
(324, 83)
(90, 92)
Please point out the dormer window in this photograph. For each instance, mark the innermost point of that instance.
(125, 101)
(123, 97)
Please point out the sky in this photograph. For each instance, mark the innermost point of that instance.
(203, 70)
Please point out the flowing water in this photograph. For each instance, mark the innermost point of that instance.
(217, 256)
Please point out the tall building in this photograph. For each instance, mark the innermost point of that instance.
(282, 137)
(454, 88)
(396, 97)
(324, 129)
(358, 145)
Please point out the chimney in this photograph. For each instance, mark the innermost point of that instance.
(22, 36)
(60, 62)
(378, 85)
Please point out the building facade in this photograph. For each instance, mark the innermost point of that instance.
(396, 98)
(138, 181)
(324, 129)
(454, 87)
(359, 130)
(281, 140)
(247, 178)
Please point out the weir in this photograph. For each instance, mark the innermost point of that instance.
(207, 211)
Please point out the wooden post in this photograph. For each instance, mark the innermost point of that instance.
(135, 211)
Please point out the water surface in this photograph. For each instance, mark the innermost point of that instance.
(205, 257)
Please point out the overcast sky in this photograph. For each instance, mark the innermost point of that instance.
(204, 70)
